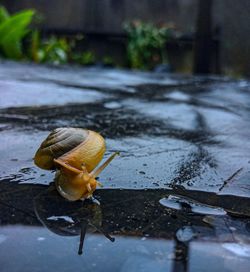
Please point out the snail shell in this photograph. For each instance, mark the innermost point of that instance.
(75, 152)
(73, 146)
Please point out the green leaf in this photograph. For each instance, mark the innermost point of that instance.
(12, 30)
(12, 50)
(145, 44)
(3, 14)
(15, 27)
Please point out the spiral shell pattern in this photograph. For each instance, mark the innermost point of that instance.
(73, 146)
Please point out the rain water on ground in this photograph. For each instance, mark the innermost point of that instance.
(176, 199)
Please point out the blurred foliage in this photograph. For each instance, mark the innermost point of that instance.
(85, 58)
(54, 50)
(146, 44)
(58, 50)
(13, 28)
(108, 61)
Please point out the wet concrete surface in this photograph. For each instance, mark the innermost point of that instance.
(178, 197)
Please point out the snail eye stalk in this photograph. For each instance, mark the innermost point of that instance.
(67, 166)
(98, 170)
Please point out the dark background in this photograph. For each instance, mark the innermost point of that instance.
(102, 21)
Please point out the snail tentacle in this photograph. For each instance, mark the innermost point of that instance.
(98, 170)
(67, 166)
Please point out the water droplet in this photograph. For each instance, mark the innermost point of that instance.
(179, 202)
(40, 239)
(112, 105)
(184, 234)
(65, 218)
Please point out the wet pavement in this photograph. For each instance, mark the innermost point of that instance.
(177, 198)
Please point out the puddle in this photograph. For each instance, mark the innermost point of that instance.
(177, 115)
(167, 122)
(238, 249)
(211, 256)
(170, 202)
(43, 94)
(131, 225)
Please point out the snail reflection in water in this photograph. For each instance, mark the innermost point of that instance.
(75, 153)
(69, 218)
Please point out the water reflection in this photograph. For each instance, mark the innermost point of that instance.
(148, 234)
(69, 218)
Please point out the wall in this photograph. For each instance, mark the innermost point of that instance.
(234, 19)
(107, 15)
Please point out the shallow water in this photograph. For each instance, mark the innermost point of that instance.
(38, 225)
(178, 197)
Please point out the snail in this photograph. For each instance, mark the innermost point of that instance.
(75, 153)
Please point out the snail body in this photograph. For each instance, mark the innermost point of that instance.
(75, 153)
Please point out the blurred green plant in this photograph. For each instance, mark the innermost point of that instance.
(85, 58)
(108, 61)
(146, 42)
(54, 50)
(15, 31)
(13, 28)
